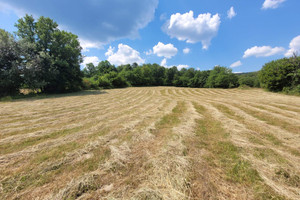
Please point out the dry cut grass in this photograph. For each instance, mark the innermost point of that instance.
(151, 143)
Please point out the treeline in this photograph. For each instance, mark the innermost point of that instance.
(106, 75)
(282, 75)
(40, 57)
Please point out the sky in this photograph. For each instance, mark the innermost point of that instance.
(242, 35)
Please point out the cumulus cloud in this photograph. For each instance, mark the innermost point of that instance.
(124, 55)
(272, 4)
(294, 47)
(91, 59)
(100, 21)
(179, 67)
(231, 13)
(185, 27)
(186, 50)
(86, 45)
(236, 64)
(263, 51)
(164, 63)
(165, 50)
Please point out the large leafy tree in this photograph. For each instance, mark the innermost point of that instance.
(52, 57)
(89, 70)
(200, 78)
(222, 77)
(10, 64)
(170, 75)
(105, 67)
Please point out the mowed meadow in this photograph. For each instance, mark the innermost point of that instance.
(151, 143)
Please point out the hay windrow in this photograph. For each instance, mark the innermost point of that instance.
(151, 143)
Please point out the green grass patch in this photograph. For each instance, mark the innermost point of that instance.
(226, 156)
(269, 155)
(170, 120)
(18, 146)
(271, 120)
(268, 136)
(35, 176)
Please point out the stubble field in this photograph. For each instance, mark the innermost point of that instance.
(151, 143)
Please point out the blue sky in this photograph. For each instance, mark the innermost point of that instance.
(185, 33)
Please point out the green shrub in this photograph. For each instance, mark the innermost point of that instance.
(90, 83)
(249, 79)
(105, 82)
(279, 74)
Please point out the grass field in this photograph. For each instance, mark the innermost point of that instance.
(151, 143)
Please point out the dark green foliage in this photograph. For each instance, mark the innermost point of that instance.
(64, 69)
(170, 75)
(222, 77)
(111, 80)
(90, 83)
(105, 82)
(183, 77)
(199, 79)
(43, 58)
(158, 74)
(108, 76)
(89, 70)
(10, 72)
(27, 29)
(249, 79)
(105, 67)
(279, 74)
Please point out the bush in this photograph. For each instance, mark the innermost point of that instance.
(249, 79)
(90, 83)
(279, 74)
(292, 90)
(105, 82)
(119, 82)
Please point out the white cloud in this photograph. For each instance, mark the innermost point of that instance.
(272, 4)
(101, 21)
(263, 51)
(231, 13)
(294, 47)
(186, 50)
(124, 55)
(236, 64)
(91, 59)
(164, 63)
(6, 8)
(165, 50)
(185, 27)
(86, 45)
(179, 67)
(150, 52)
(110, 51)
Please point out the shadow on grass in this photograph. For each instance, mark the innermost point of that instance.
(33, 97)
